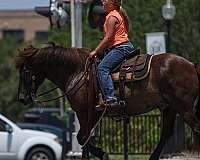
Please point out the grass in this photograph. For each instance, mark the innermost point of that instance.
(130, 157)
(117, 157)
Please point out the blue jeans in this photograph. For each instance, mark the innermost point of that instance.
(111, 59)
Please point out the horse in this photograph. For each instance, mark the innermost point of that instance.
(172, 86)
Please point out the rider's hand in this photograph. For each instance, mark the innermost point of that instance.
(92, 54)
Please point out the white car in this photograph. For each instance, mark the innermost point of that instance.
(24, 144)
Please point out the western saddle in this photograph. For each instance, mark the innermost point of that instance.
(134, 68)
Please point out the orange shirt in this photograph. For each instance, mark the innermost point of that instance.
(120, 33)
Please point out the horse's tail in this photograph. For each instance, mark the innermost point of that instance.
(197, 67)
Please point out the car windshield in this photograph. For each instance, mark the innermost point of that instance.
(44, 128)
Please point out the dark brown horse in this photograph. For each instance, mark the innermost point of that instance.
(172, 86)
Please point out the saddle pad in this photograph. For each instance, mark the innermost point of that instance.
(137, 68)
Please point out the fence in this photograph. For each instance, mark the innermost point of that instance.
(143, 135)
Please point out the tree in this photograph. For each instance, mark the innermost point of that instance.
(8, 79)
(145, 16)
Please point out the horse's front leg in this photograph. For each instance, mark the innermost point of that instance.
(98, 152)
(85, 153)
(168, 118)
(89, 148)
(81, 140)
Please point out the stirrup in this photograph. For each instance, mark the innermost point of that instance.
(100, 107)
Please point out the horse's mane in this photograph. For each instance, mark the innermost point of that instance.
(53, 55)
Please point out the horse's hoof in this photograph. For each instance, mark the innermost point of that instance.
(105, 156)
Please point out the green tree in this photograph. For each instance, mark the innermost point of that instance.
(145, 17)
(9, 79)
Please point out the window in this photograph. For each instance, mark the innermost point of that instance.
(2, 126)
(16, 34)
(41, 35)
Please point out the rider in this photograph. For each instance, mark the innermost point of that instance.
(117, 45)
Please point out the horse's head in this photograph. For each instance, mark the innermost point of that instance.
(29, 82)
(30, 77)
(54, 63)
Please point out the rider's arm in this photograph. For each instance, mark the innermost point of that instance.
(109, 35)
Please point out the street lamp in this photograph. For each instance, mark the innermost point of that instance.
(168, 13)
(55, 12)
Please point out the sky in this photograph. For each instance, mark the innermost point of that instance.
(22, 4)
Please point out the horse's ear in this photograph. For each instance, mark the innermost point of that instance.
(30, 46)
(19, 50)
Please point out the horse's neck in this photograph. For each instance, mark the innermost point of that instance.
(66, 67)
(77, 91)
(56, 76)
(74, 80)
(60, 76)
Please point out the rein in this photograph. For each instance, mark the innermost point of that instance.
(102, 115)
(85, 73)
(87, 65)
(93, 129)
(46, 92)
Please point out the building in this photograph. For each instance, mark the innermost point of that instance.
(25, 25)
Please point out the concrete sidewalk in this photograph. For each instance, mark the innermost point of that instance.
(184, 156)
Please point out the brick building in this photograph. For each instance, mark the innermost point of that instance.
(23, 24)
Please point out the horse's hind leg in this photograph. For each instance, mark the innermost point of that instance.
(190, 118)
(81, 140)
(168, 120)
(98, 152)
(85, 153)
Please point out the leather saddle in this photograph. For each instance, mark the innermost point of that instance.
(133, 69)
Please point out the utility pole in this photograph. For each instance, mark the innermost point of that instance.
(72, 13)
(76, 23)
(58, 17)
(76, 41)
(61, 102)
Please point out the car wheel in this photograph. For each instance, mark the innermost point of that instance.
(40, 153)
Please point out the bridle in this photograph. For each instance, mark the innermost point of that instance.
(27, 78)
(27, 75)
